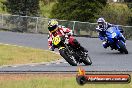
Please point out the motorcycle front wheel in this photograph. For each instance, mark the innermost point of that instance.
(68, 57)
(122, 47)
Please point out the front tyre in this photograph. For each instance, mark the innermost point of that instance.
(122, 47)
(68, 57)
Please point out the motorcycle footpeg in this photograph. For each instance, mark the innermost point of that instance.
(86, 54)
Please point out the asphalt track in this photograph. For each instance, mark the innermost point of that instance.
(103, 59)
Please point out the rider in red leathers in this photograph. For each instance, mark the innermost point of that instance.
(55, 29)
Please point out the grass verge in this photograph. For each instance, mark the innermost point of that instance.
(49, 81)
(10, 54)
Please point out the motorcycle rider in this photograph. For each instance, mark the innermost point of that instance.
(102, 27)
(55, 29)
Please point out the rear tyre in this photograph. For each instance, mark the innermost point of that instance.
(87, 60)
(122, 47)
(68, 57)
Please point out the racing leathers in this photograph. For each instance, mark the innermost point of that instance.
(61, 31)
(102, 33)
(102, 30)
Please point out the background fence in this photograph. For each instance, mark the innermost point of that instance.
(29, 24)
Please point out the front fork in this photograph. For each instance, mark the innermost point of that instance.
(121, 42)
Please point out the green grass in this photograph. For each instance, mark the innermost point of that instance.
(49, 81)
(21, 55)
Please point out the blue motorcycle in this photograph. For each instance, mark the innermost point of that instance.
(116, 40)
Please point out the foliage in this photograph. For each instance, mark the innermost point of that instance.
(127, 0)
(116, 13)
(130, 17)
(45, 9)
(23, 7)
(45, 2)
(81, 10)
(2, 6)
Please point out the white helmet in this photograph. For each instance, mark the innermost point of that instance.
(101, 22)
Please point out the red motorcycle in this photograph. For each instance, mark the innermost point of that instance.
(71, 54)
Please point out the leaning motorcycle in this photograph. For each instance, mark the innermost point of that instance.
(71, 54)
(116, 39)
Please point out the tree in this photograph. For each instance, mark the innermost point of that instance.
(81, 10)
(47, 1)
(23, 7)
(116, 13)
(127, 0)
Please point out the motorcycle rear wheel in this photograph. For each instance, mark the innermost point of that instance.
(87, 60)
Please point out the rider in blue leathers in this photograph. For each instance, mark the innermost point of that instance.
(101, 28)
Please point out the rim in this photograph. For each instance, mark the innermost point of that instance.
(73, 59)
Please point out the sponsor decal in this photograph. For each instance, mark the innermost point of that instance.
(83, 78)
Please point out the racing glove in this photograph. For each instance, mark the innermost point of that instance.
(70, 33)
(51, 48)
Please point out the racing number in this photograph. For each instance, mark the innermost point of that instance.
(56, 40)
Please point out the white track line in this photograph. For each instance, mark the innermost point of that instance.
(35, 64)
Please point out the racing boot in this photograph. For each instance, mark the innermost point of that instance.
(79, 46)
(105, 44)
(85, 51)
